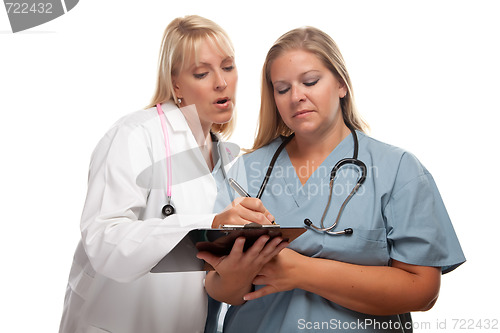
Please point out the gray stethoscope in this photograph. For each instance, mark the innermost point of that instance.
(169, 208)
(354, 160)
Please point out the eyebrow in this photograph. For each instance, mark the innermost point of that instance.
(202, 63)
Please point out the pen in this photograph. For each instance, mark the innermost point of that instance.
(237, 187)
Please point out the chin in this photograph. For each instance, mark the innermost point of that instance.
(305, 129)
(223, 117)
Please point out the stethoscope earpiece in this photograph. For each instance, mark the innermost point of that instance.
(348, 231)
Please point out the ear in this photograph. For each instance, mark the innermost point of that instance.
(342, 89)
(177, 88)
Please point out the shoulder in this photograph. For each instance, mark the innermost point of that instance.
(147, 119)
(387, 160)
(133, 129)
(376, 147)
(387, 151)
(265, 152)
(136, 119)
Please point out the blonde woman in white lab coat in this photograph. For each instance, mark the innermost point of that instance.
(124, 232)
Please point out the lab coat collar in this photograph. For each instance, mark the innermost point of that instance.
(178, 121)
(175, 117)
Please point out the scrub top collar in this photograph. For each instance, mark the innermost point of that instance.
(343, 150)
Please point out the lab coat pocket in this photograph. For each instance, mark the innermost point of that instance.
(79, 280)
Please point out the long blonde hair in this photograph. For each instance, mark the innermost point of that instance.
(324, 47)
(181, 39)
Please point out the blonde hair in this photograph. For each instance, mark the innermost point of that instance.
(324, 47)
(181, 40)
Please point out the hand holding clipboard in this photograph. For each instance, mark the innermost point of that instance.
(219, 242)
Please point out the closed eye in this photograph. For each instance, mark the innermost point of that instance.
(311, 83)
(282, 91)
(200, 75)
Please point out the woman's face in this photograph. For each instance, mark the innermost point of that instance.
(307, 94)
(208, 83)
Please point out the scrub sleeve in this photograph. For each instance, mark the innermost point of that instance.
(419, 230)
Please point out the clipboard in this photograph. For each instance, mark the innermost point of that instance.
(182, 258)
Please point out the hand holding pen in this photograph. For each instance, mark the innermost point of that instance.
(241, 191)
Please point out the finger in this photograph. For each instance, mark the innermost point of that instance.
(257, 246)
(267, 290)
(210, 258)
(279, 248)
(253, 204)
(269, 216)
(238, 246)
(270, 248)
(248, 216)
(235, 202)
(250, 206)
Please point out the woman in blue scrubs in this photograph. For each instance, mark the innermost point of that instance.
(402, 239)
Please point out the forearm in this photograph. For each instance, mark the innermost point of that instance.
(375, 290)
(228, 292)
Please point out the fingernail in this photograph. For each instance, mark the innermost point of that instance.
(270, 218)
(245, 298)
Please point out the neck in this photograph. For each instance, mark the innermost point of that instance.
(201, 132)
(201, 135)
(204, 140)
(200, 129)
(319, 144)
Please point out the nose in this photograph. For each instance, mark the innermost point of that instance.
(220, 82)
(297, 94)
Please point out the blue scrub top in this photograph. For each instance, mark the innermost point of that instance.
(397, 214)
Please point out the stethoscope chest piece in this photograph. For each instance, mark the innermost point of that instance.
(168, 210)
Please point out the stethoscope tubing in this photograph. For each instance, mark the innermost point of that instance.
(286, 140)
(169, 209)
(162, 117)
(354, 160)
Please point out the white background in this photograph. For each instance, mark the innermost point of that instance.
(425, 75)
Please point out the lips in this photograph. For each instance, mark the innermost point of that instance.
(302, 113)
(222, 100)
(223, 103)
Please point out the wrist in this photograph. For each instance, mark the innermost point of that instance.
(298, 279)
(216, 222)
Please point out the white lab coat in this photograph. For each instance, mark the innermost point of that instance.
(124, 233)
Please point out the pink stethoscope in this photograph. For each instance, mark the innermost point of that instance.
(169, 209)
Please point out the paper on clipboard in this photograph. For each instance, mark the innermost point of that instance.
(182, 258)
